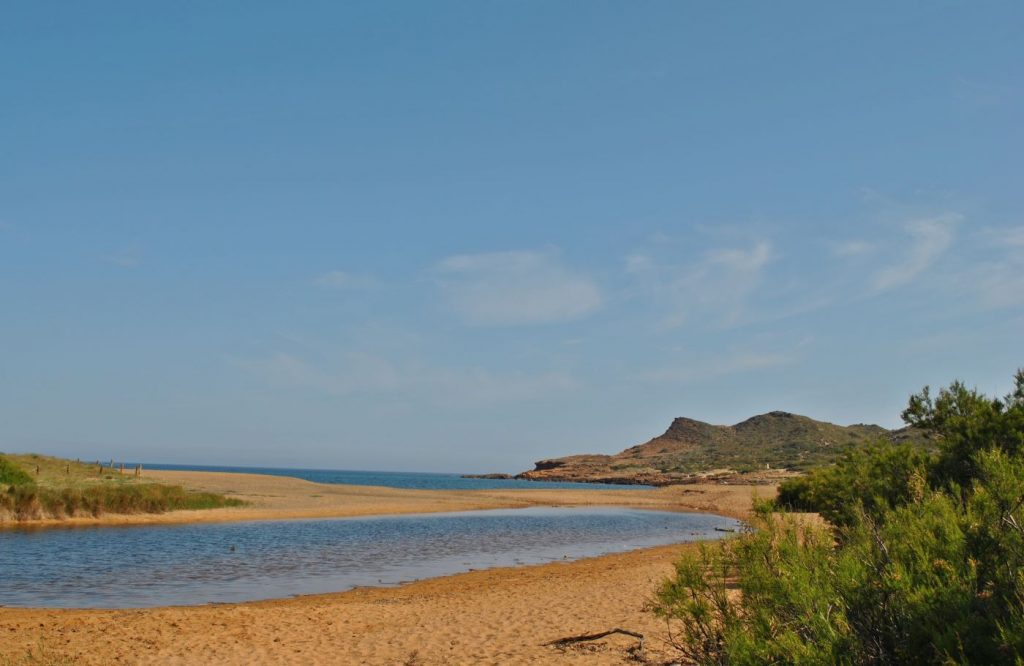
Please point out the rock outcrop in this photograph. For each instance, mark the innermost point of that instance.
(763, 447)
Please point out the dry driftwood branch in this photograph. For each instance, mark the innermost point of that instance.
(568, 640)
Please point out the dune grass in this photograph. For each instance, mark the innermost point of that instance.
(34, 486)
(11, 474)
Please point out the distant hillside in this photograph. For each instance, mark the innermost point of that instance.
(689, 448)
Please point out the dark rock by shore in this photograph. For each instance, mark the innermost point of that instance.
(487, 476)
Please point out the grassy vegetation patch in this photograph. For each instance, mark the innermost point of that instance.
(11, 474)
(34, 486)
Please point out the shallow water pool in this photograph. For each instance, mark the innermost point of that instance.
(123, 567)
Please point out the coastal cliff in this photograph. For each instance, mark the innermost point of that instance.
(764, 447)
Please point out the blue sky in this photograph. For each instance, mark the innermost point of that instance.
(465, 236)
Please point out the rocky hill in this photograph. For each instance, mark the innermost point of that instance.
(692, 450)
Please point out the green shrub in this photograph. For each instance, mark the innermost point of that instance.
(868, 480)
(11, 474)
(784, 611)
(934, 582)
(967, 422)
(964, 423)
(27, 502)
(923, 564)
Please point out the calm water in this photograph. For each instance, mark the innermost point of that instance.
(193, 564)
(424, 481)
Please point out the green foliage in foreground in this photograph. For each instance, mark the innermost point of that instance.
(11, 474)
(923, 564)
(870, 480)
(25, 498)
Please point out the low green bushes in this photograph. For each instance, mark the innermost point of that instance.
(11, 474)
(27, 502)
(22, 497)
(870, 480)
(923, 562)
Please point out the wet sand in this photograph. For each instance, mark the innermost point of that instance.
(498, 616)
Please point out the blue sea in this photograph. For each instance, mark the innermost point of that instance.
(417, 480)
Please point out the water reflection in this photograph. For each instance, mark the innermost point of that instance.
(194, 564)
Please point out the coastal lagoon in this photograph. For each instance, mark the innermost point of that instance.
(411, 480)
(127, 567)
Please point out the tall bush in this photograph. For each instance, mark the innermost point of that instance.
(923, 562)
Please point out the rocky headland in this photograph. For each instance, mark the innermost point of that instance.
(761, 449)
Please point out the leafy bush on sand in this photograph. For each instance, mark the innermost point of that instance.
(923, 562)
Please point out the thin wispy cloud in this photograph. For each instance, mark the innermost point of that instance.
(638, 263)
(852, 248)
(929, 240)
(351, 373)
(714, 289)
(129, 256)
(1009, 236)
(998, 280)
(356, 373)
(1000, 284)
(741, 260)
(985, 94)
(343, 280)
(515, 288)
(706, 369)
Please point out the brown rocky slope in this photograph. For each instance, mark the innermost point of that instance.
(691, 451)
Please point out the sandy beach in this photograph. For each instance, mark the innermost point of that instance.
(285, 498)
(498, 616)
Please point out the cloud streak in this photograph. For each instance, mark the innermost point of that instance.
(129, 256)
(358, 373)
(1011, 237)
(716, 288)
(515, 288)
(852, 248)
(737, 363)
(999, 280)
(929, 240)
(343, 280)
